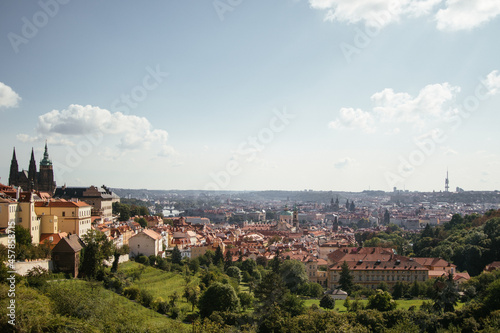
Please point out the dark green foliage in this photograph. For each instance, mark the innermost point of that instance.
(246, 300)
(23, 236)
(293, 273)
(142, 259)
(381, 301)
(142, 221)
(327, 302)
(447, 294)
(37, 277)
(271, 290)
(234, 272)
(248, 266)
(218, 297)
(346, 280)
(311, 289)
(176, 256)
(97, 248)
(219, 256)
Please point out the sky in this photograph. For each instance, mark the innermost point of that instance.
(254, 95)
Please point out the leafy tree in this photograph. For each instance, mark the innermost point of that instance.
(346, 279)
(276, 262)
(192, 295)
(176, 255)
(228, 260)
(492, 299)
(249, 265)
(270, 291)
(219, 256)
(218, 297)
(246, 300)
(142, 221)
(293, 273)
(327, 302)
(447, 294)
(234, 272)
(381, 301)
(97, 248)
(23, 236)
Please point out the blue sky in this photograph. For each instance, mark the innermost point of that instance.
(254, 95)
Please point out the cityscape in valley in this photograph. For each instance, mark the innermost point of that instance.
(250, 166)
(362, 250)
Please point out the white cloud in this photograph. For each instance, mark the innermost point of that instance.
(353, 119)
(8, 97)
(134, 133)
(373, 12)
(466, 14)
(343, 163)
(455, 14)
(492, 82)
(431, 102)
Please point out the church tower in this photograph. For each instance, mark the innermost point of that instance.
(46, 181)
(32, 174)
(296, 223)
(14, 170)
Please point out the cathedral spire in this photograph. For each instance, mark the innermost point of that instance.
(46, 161)
(14, 169)
(32, 175)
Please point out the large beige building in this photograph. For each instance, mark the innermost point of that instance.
(73, 217)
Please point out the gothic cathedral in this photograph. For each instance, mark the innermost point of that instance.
(32, 180)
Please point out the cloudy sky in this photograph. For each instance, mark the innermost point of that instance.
(254, 95)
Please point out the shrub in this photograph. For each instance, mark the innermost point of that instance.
(132, 293)
(327, 302)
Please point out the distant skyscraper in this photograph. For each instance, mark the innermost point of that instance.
(446, 183)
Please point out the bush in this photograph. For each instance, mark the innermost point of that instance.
(234, 272)
(327, 302)
(246, 300)
(132, 293)
(142, 260)
(146, 298)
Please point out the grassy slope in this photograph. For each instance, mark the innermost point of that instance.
(135, 313)
(402, 304)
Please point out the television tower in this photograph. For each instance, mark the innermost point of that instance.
(446, 183)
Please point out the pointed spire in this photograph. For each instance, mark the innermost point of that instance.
(14, 170)
(46, 160)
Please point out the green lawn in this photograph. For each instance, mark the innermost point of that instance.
(401, 304)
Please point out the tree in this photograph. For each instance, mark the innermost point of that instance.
(293, 273)
(276, 262)
(142, 221)
(219, 256)
(346, 280)
(249, 265)
(97, 248)
(381, 301)
(192, 295)
(447, 294)
(387, 217)
(234, 272)
(352, 206)
(270, 291)
(23, 236)
(176, 255)
(228, 260)
(218, 297)
(327, 302)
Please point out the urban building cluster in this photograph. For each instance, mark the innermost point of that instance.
(321, 235)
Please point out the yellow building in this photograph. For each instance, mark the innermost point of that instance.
(73, 217)
(8, 211)
(27, 217)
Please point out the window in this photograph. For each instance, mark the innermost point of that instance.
(64, 214)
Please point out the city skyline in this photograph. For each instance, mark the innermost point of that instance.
(236, 95)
